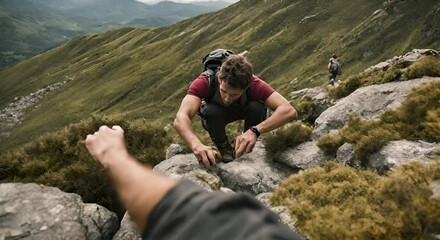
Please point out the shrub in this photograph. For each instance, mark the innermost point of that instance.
(427, 66)
(338, 202)
(393, 74)
(347, 87)
(330, 143)
(414, 112)
(432, 124)
(305, 108)
(61, 160)
(288, 137)
(373, 141)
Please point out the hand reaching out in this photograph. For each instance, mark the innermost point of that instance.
(104, 141)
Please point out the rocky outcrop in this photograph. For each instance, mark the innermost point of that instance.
(346, 156)
(305, 155)
(127, 230)
(186, 166)
(392, 154)
(173, 150)
(366, 102)
(402, 61)
(400, 152)
(282, 211)
(31, 211)
(253, 173)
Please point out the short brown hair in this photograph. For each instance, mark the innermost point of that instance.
(237, 72)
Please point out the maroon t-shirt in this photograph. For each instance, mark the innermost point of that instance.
(260, 90)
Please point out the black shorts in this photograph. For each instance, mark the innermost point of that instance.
(332, 75)
(189, 212)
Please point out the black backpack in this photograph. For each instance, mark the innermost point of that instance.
(212, 62)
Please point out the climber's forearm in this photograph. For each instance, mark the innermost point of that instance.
(138, 187)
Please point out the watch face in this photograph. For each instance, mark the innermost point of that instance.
(255, 130)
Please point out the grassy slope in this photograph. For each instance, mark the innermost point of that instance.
(145, 72)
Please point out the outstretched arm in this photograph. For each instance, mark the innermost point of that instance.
(283, 113)
(188, 109)
(138, 187)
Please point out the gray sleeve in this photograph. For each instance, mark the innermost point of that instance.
(190, 212)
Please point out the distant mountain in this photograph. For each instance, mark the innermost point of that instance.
(146, 72)
(29, 27)
(27, 30)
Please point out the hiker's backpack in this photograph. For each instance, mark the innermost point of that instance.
(212, 62)
(335, 67)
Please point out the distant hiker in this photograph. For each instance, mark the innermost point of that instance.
(334, 69)
(237, 95)
(164, 208)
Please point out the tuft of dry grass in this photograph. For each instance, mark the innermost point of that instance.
(339, 202)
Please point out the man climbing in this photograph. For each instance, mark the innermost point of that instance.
(334, 69)
(239, 95)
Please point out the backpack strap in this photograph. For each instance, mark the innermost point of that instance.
(211, 81)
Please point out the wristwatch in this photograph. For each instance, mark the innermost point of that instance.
(255, 130)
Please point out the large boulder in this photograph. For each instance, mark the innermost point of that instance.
(319, 96)
(281, 211)
(400, 152)
(366, 102)
(186, 166)
(31, 211)
(173, 150)
(306, 155)
(127, 231)
(254, 172)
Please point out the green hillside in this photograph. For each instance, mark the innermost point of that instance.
(145, 72)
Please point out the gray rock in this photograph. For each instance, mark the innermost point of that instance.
(127, 231)
(173, 150)
(320, 99)
(101, 223)
(346, 156)
(366, 102)
(253, 173)
(264, 198)
(305, 155)
(281, 211)
(31, 211)
(399, 152)
(186, 166)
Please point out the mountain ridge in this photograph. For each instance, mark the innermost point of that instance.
(32, 26)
